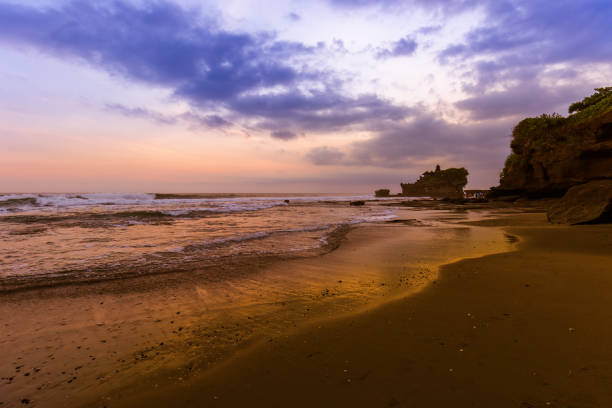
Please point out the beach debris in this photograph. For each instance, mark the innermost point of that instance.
(25, 401)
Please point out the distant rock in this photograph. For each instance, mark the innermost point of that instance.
(383, 192)
(445, 184)
(358, 203)
(590, 202)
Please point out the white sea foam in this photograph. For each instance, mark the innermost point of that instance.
(172, 207)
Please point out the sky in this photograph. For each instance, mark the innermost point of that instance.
(282, 96)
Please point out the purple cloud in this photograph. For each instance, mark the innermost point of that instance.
(163, 44)
(520, 45)
(325, 155)
(191, 118)
(283, 134)
(403, 47)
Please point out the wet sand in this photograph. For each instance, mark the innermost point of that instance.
(374, 323)
(528, 328)
(79, 344)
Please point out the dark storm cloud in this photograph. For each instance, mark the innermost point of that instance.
(162, 44)
(403, 47)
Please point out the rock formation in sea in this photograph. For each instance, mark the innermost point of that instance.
(552, 153)
(439, 183)
(383, 192)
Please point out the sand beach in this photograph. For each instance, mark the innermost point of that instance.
(447, 309)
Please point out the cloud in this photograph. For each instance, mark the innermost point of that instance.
(444, 6)
(560, 31)
(209, 121)
(423, 139)
(325, 155)
(321, 111)
(294, 16)
(515, 61)
(141, 113)
(283, 134)
(255, 77)
(403, 47)
(426, 30)
(191, 118)
(414, 146)
(526, 98)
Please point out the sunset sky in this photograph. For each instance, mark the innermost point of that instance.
(281, 96)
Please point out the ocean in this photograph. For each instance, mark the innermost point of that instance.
(51, 238)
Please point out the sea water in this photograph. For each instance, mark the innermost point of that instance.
(51, 237)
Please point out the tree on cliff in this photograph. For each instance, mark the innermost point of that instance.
(456, 177)
(600, 93)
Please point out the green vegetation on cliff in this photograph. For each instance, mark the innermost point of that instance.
(453, 175)
(550, 153)
(446, 183)
(599, 95)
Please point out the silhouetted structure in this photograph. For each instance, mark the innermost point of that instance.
(439, 183)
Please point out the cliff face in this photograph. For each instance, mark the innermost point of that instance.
(447, 183)
(551, 153)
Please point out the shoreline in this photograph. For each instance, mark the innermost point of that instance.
(181, 327)
(537, 318)
(74, 280)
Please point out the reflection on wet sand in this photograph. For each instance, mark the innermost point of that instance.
(99, 337)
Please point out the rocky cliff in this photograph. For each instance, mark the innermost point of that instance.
(439, 183)
(552, 153)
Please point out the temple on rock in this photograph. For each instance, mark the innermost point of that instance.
(439, 183)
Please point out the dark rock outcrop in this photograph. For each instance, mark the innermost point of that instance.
(447, 183)
(551, 153)
(585, 203)
(383, 192)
